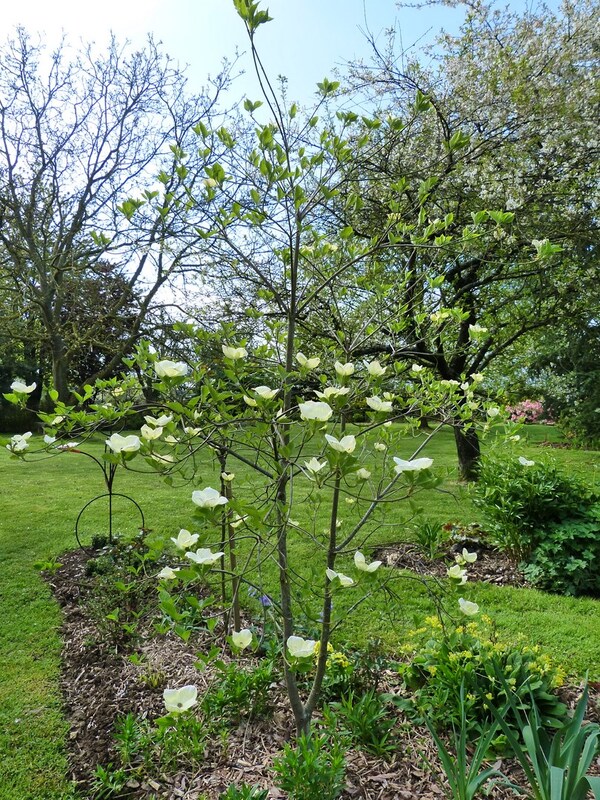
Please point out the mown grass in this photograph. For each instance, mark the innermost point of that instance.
(40, 502)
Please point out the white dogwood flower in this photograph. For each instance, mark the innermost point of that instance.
(467, 607)
(307, 363)
(414, 465)
(208, 498)
(124, 444)
(375, 369)
(343, 579)
(360, 563)
(344, 370)
(170, 369)
(234, 353)
(299, 647)
(204, 556)
(179, 700)
(242, 639)
(312, 409)
(346, 444)
(377, 404)
(19, 387)
(185, 539)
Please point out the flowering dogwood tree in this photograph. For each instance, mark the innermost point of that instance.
(266, 407)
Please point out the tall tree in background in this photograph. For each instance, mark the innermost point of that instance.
(502, 171)
(82, 134)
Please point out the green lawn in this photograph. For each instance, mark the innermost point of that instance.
(40, 503)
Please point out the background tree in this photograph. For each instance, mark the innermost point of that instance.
(80, 134)
(505, 158)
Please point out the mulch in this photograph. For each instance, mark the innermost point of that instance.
(100, 684)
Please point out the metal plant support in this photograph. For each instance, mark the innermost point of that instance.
(108, 470)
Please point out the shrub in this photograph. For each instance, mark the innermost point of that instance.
(366, 721)
(470, 658)
(519, 501)
(314, 769)
(566, 559)
(240, 693)
(527, 411)
(547, 518)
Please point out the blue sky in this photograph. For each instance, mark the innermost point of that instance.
(305, 41)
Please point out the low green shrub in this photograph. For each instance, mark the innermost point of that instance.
(240, 693)
(244, 792)
(366, 721)
(469, 658)
(545, 517)
(566, 560)
(312, 770)
(520, 499)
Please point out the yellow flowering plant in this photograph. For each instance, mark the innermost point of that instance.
(471, 655)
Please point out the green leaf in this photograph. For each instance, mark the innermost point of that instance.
(422, 102)
(327, 87)
(458, 140)
(252, 106)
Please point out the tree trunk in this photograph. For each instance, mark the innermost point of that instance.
(60, 368)
(468, 451)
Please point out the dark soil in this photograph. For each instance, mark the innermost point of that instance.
(100, 684)
(491, 565)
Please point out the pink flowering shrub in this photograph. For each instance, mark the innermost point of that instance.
(528, 411)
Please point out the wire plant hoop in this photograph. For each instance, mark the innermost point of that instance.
(108, 470)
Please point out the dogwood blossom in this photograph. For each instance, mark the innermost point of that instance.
(19, 387)
(363, 474)
(250, 401)
(49, 439)
(360, 563)
(493, 412)
(170, 369)
(465, 557)
(228, 476)
(184, 539)
(307, 363)
(312, 409)
(344, 370)
(380, 446)
(149, 433)
(204, 556)
(123, 444)
(332, 391)
(265, 392)
(343, 579)
(414, 465)
(19, 443)
(167, 574)
(346, 444)
(467, 607)
(314, 465)
(242, 639)
(377, 404)
(526, 462)
(417, 368)
(179, 700)
(234, 353)
(208, 498)
(159, 422)
(457, 574)
(375, 369)
(299, 647)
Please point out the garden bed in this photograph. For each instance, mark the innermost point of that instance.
(101, 684)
